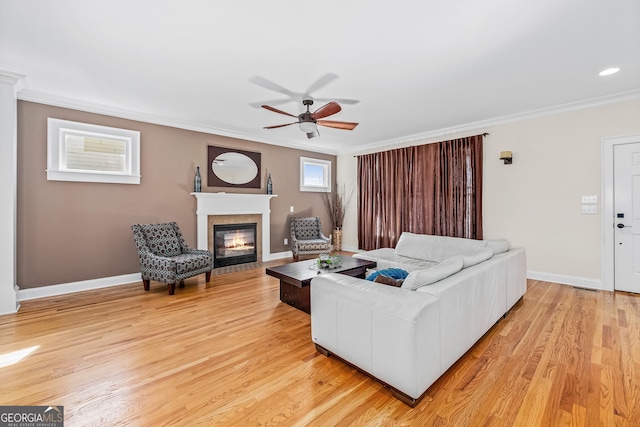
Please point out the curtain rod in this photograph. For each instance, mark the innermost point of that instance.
(483, 134)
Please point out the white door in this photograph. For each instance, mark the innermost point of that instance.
(627, 216)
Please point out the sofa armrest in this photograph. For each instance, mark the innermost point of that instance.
(389, 300)
(388, 332)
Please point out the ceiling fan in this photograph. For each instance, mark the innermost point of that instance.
(296, 97)
(308, 121)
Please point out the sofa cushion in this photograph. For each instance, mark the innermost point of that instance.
(387, 258)
(419, 278)
(498, 245)
(436, 248)
(476, 258)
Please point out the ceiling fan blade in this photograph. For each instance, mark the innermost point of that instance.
(268, 84)
(279, 126)
(321, 82)
(326, 110)
(272, 102)
(337, 125)
(338, 100)
(275, 110)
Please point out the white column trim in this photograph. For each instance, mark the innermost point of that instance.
(9, 84)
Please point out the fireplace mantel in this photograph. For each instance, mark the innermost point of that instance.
(208, 204)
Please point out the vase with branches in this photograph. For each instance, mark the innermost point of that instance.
(336, 203)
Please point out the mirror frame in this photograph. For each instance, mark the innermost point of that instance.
(212, 178)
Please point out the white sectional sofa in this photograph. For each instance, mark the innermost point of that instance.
(408, 336)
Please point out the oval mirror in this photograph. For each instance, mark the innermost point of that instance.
(234, 168)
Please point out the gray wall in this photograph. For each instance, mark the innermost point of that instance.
(74, 231)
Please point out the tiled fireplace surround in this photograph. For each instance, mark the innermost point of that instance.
(232, 208)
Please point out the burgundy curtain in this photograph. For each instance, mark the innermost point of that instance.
(428, 189)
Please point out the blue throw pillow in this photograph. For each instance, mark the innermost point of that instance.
(394, 273)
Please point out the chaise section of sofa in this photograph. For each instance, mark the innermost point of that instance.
(407, 337)
(389, 333)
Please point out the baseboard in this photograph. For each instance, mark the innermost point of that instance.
(84, 285)
(581, 282)
(105, 282)
(280, 255)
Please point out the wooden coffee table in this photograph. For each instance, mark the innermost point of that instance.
(295, 278)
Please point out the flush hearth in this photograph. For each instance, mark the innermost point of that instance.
(234, 244)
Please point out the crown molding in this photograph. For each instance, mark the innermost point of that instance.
(39, 97)
(15, 79)
(483, 124)
(81, 105)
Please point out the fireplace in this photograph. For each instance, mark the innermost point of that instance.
(229, 208)
(234, 244)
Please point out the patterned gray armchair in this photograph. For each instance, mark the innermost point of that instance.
(165, 257)
(307, 237)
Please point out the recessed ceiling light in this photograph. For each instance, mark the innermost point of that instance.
(609, 71)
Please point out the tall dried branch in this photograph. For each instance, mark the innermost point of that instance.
(336, 203)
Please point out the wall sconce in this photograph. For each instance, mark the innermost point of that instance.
(507, 156)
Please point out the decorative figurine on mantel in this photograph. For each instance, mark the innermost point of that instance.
(197, 181)
(269, 185)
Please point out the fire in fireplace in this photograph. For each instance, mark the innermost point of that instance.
(234, 244)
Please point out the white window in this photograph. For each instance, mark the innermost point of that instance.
(315, 175)
(91, 153)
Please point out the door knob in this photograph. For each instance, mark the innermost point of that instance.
(620, 225)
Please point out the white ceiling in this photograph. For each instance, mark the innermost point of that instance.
(417, 67)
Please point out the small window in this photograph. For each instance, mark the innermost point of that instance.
(91, 153)
(315, 175)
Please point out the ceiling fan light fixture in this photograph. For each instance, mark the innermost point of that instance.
(308, 122)
(308, 127)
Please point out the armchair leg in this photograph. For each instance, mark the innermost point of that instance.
(207, 276)
(296, 258)
(172, 288)
(181, 284)
(146, 283)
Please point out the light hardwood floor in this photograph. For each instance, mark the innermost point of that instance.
(230, 354)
